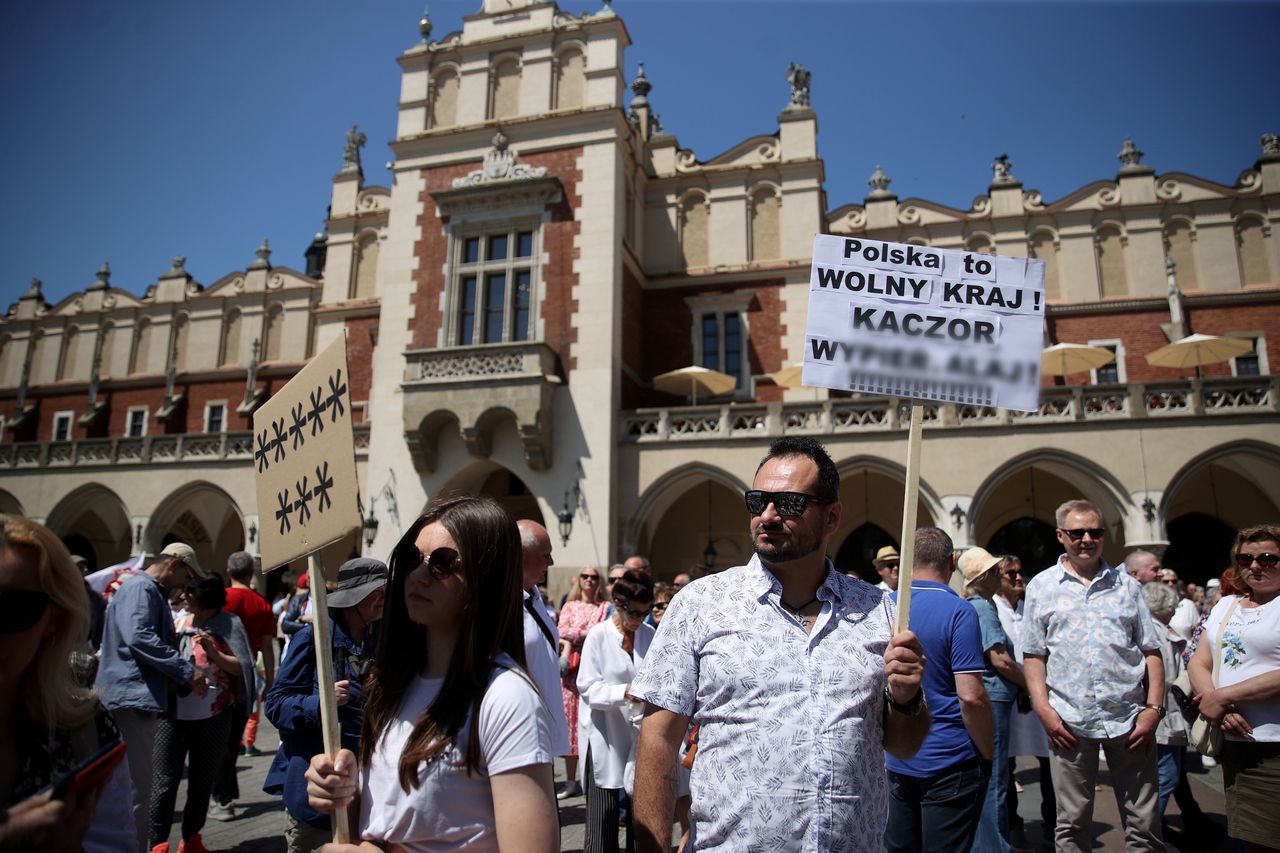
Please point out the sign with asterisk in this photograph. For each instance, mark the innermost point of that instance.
(305, 463)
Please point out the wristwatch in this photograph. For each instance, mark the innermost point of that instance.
(911, 708)
(1159, 709)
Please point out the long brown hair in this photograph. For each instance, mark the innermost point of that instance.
(489, 550)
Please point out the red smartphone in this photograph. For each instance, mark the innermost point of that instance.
(92, 772)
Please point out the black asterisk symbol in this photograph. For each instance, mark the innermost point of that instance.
(337, 388)
(317, 411)
(263, 452)
(282, 514)
(299, 424)
(279, 439)
(302, 503)
(323, 484)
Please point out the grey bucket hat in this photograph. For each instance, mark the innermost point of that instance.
(356, 580)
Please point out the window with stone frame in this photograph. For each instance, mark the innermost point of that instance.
(62, 425)
(215, 417)
(1251, 363)
(720, 336)
(1113, 373)
(494, 284)
(136, 422)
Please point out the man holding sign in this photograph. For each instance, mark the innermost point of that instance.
(788, 640)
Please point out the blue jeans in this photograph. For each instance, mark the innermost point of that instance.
(993, 828)
(939, 813)
(1169, 765)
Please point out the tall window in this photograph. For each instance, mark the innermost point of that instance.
(694, 221)
(231, 338)
(273, 333)
(1043, 247)
(136, 422)
(1113, 373)
(444, 99)
(62, 426)
(494, 276)
(765, 239)
(721, 344)
(570, 79)
(363, 285)
(70, 355)
(1178, 243)
(1251, 363)
(215, 417)
(504, 99)
(1111, 270)
(1251, 247)
(107, 352)
(141, 347)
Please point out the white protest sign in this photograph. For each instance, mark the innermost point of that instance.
(304, 456)
(924, 323)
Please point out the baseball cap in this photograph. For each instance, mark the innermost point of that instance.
(975, 563)
(888, 552)
(186, 554)
(356, 580)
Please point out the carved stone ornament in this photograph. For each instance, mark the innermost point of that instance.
(351, 150)
(33, 292)
(640, 87)
(103, 278)
(798, 76)
(1002, 171)
(1131, 159)
(424, 24)
(499, 165)
(879, 183)
(1032, 201)
(263, 259)
(1270, 143)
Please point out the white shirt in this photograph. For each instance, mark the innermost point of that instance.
(1250, 647)
(791, 744)
(603, 676)
(1185, 618)
(543, 663)
(1026, 735)
(450, 810)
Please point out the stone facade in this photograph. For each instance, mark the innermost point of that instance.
(546, 248)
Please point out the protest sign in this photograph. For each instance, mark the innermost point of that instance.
(929, 324)
(305, 463)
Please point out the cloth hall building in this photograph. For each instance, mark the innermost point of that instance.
(546, 248)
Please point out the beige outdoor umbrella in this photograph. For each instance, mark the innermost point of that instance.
(689, 381)
(1065, 359)
(789, 376)
(1195, 350)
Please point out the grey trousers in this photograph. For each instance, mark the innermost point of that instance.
(303, 837)
(1137, 787)
(138, 729)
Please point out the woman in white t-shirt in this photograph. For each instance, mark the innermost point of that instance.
(455, 752)
(1245, 701)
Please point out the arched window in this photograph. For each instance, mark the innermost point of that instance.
(981, 244)
(1251, 248)
(504, 100)
(273, 332)
(444, 101)
(1042, 247)
(1111, 272)
(44, 365)
(765, 240)
(70, 354)
(694, 220)
(181, 335)
(570, 79)
(141, 347)
(1178, 243)
(363, 283)
(231, 338)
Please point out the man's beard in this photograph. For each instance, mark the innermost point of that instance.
(794, 547)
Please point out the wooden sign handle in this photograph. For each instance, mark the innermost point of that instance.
(324, 679)
(907, 558)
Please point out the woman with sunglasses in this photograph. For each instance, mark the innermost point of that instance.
(581, 611)
(48, 723)
(1235, 673)
(455, 751)
(611, 657)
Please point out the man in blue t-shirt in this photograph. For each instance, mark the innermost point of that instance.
(935, 798)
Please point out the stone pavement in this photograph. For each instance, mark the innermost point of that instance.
(259, 826)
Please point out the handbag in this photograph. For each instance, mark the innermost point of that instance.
(1205, 737)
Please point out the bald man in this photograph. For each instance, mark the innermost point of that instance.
(541, 639)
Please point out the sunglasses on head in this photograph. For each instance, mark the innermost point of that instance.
(1266, 560)
(21, 608)
(442, 562)
(1077, 533)
(787, 504)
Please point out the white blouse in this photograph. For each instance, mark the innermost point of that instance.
(603, 676)
(451, 810)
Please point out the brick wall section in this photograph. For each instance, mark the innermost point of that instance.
(634, 335)
(360, 334)
(557, 276)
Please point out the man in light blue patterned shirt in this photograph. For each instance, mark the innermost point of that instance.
(795, 678)
(1090, 644)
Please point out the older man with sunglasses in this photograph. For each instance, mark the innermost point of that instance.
(795, 676)
(1089, 644)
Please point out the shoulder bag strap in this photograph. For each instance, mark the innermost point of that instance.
(1217, 643)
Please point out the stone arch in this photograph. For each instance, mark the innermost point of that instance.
(205, 517)
(1251, 249)
(1179, 246)
(980, 241)
(504, 87)
(96, 519)
(764, 212)
(444, 96)
(364, 277)
(695, 228)
(571, 76)
(10, 505)
(872, 490)
(424, 442)
(1043, 245)
(486, 477)
(1109, 243)
(1034, 484)
(693, 505)
(1238, 483)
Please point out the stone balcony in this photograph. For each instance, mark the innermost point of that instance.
(479, 387)
(1187, 398)
(190, 449)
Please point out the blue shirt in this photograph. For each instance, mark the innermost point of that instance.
(139, 656)
(998, 689)
(949, 632)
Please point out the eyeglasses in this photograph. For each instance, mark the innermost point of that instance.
(592, 578)
(613, 578)
(442, 562)
(1266, 560)
(623, 608)
(21, 608)
(1011, 573)
(659, 605)
(888, 564)
(788, 504)
(1077, 533)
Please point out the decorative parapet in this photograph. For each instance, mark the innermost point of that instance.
(1236, 396)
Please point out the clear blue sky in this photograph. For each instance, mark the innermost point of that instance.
(135, 131)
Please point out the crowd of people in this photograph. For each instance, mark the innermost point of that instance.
(775, 705)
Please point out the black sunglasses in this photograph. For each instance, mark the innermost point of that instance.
(634, 614)
(442, 562)
(21, 608)
(788, 504)
(1077, 533)
(1266, 559)
(1011, 573)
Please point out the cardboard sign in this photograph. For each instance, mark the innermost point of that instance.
(305, 463)
(929, 324)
